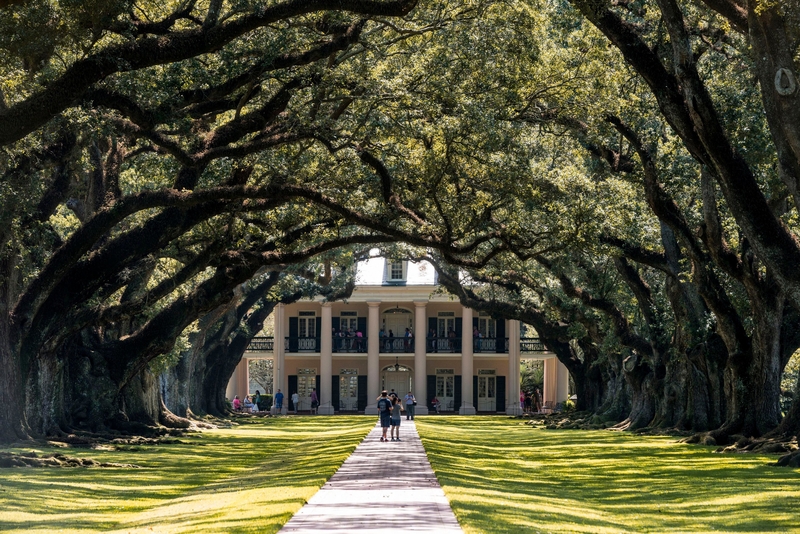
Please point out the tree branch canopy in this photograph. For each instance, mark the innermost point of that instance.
(22, 118)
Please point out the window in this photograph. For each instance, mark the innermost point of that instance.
(306, 381)
(396, 270)
(348, 320)
(487, 326)
(447, 323)
(307, 324)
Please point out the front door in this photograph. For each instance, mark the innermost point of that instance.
(487, 393)
(445, 391)
(399, 380)
(348, 392)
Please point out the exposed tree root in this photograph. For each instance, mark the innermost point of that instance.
(744, 444)
(789, 460)
(31, 459)
(570, 420)
(170, 420)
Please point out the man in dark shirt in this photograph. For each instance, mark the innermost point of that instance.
(385, 411)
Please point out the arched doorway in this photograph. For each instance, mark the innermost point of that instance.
(397, 377)
(397, 320)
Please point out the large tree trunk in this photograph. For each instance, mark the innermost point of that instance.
(753, 379)
(12, 393)
(45, 396)
(617, 402)
(706, 403)
(93, 396)
(790, 426)
(175, 383)
(141, 399)
(644, 392)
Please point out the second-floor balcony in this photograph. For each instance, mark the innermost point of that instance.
(482, 345)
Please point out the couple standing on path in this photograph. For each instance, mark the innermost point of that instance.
(389, 408)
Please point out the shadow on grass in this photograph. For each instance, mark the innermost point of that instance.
(504, 476)
(250, 478)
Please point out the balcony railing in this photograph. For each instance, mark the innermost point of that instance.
(261, 344)
(303, 344)
(393, 344)
(444, 344)
(349, 344)
(397, 344)
(531, 344)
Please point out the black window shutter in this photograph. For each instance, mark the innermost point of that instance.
(500, 391)
(335, 393)
(316, 342)
(362, 325)
(500, 344)
(459, 333)
(475, 392)
(294, 329)
(292, 390)
(431, 390)
(457, 394)
(431, 345)
(362, 393)
(335, 324)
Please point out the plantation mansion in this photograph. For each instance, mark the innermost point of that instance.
(397, 332)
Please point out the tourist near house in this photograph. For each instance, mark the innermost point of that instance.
(351, 351)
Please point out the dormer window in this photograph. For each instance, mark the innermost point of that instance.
(396, 271)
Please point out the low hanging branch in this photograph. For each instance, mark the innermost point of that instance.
(26, 116)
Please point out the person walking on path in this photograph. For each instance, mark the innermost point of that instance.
(295, 401)
(385, 411)
(314, 400)
(279, 401)
(396, 417)
(411, 404)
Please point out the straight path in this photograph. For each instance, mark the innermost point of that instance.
(381, 487)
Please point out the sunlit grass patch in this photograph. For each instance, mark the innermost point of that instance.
(249, 478)
(504, 476)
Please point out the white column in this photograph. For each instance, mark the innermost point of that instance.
(466, 362)
(239, 383)
(373, 357)
(279, 377)
(420, 359)
(513, 382)
(562, 382)
(233, 385)
(326, 361)
(550, 380)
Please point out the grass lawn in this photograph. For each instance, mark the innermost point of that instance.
(248, 478)
(504, 476)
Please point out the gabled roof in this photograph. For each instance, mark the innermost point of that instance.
(374, 272)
